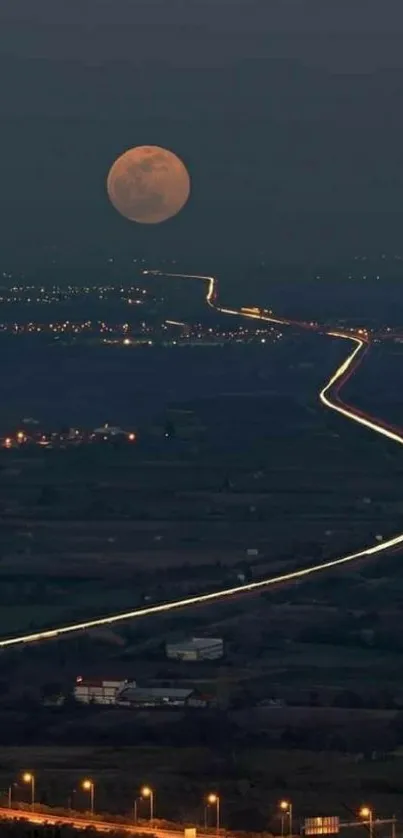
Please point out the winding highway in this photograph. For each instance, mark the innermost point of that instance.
(330, 398)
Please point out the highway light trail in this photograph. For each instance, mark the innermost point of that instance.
(329, 396)
(80, 821)
(340, 377)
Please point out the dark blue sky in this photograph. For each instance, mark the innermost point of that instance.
(288, 114)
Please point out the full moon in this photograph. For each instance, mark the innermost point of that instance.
(148, 184)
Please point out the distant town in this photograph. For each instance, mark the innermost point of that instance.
(167, 333)
(30, 433)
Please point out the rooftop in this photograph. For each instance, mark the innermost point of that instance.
(195, 642)
(156, 692)
(99, 682)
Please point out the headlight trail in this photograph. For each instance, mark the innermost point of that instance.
(330, 397)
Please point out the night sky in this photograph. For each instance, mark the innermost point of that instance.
(288, 114)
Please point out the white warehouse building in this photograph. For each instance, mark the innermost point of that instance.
(196, 649)
(98, 691)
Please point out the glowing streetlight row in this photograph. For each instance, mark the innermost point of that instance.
(146, 793)
(212, 799)
(29, 778)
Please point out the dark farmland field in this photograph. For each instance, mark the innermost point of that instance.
(87, 385)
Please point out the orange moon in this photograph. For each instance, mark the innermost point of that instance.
(148, 184)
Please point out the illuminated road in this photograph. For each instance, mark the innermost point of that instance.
(330, 397)
(87, 823)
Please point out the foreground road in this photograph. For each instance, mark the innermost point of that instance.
(87, 823)
(330, 397)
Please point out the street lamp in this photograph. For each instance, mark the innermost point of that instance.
(70, 799)
(146, 791)
(286, 809)
(135, 806)
(367, 814)
(213, 799)
(30, 778)
(10, 794)
(88, 785)
(282, 819)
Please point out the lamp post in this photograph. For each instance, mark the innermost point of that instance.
(286, 809)
(10, 794)
(30, 778)
(213, 799)
(70, 799)
(146, 791)
(367, 814)
(88, 785)
(135, 805)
